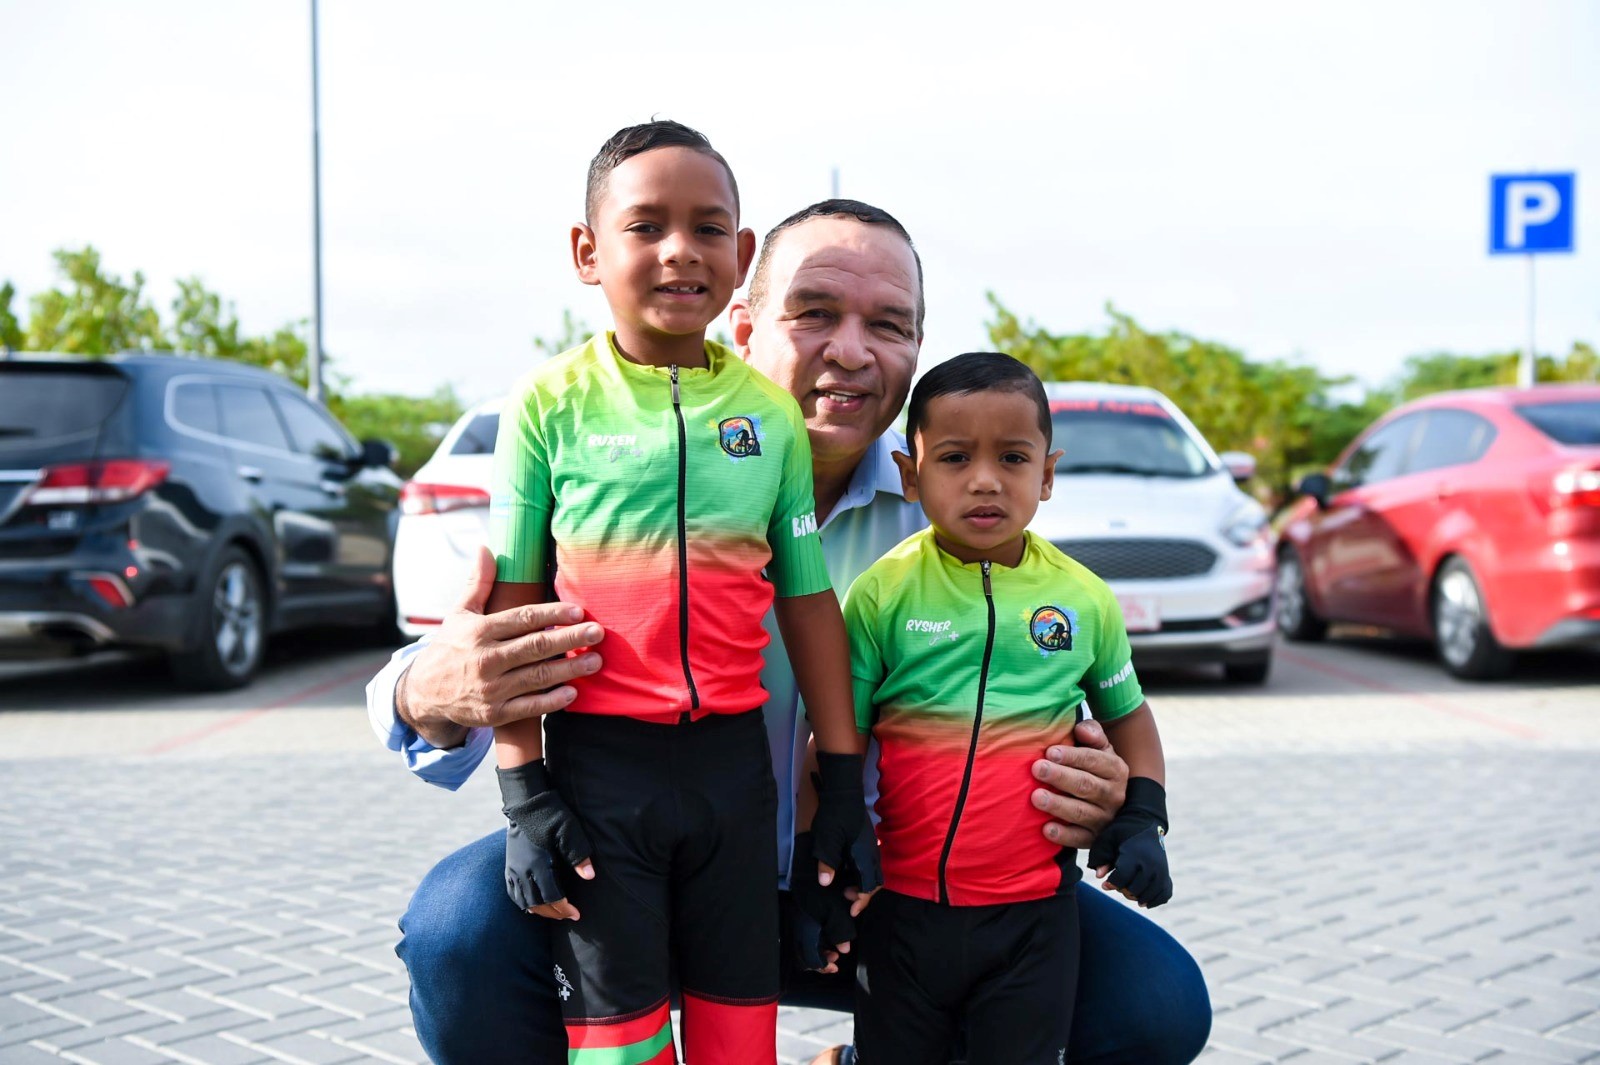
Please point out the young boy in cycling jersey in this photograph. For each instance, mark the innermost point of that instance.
(654, 479)
(974, 645)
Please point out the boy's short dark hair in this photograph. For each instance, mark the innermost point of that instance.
(624, 144)
(864, 213)
(976, 371)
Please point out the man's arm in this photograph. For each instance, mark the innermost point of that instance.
(479, 671)
(1084, 786)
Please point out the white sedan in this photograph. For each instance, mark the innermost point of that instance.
(1142, 500)
(444, 517)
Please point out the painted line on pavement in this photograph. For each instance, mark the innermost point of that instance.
(243, 717)
(1431, 702)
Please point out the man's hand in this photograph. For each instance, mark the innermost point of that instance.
(1084, 786)
(486, 670)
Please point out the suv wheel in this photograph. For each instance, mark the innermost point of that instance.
(1296, 619)
(1461, 632)
(231, 620)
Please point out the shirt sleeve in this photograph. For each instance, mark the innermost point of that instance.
(447, 769)
(798, 566)
(520, 494)
(1110, 685)
(866, 654)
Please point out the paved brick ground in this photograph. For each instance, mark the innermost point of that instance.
(1372, 865)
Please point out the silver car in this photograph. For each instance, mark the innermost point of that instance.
(1142, 500)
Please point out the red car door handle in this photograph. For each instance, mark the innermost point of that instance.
(1444, 491)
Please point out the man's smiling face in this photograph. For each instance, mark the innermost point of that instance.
(839, 330)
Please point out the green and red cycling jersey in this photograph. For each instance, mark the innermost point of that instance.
(965, 673)
(671, 504)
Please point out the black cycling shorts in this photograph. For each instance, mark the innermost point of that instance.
(683, 821)
(1007, 974)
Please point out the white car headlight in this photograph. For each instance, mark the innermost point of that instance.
(1247, 524)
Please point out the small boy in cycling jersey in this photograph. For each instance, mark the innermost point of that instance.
(974, 645)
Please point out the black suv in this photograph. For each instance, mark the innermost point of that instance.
(188, 505)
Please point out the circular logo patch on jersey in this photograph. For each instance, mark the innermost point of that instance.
(739, 436)
(1051, 629)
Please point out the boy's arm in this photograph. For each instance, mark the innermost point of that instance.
(1131, 854)
(819, 654)
(1135, 739)
(517, 742)
(820, 657)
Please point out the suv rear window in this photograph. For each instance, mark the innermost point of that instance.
(478, 437)
(1575, 422)
(47, 407)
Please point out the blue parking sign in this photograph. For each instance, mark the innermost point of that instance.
(1530, 213)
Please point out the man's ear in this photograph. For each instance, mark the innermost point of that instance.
(583, 254)
(908, 475)
(747, 253)
(1049, 485)
(739, 319)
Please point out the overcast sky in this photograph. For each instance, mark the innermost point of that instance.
(1298, 180)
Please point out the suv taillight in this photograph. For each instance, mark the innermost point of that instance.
(1575, 488)
(111, 481)
(419, 498)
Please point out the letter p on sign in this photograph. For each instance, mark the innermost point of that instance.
(1530, 213)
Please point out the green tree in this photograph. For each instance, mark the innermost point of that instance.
(205, 324)
(413, 424)
(1270, 410)
(1442, 371)
(1581, 364)
(96, 315)
(11, 334)
(573, 331)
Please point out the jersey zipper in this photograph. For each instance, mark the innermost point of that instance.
(683, 547)
(972, 745)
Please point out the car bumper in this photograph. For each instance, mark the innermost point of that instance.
(1548, 597)
(51, 609)
(1246, 643)
(1225, 616)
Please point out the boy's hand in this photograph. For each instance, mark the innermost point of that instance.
(1131, 855)
(841, 812)
(823, 924)
(542, 829)
(531, 878)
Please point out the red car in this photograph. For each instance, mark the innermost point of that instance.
(1469, 518)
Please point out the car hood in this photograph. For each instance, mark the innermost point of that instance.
(1086, 506)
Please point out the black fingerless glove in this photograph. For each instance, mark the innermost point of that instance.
(541, 830)
(821, 918)
(1134, 844)
(841, 807)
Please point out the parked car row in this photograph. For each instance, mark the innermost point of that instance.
(196, 507)
(189, 506)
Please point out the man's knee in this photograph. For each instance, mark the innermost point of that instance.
(1178, 994)
(460, 919)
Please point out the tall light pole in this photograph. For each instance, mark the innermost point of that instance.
(315, 387)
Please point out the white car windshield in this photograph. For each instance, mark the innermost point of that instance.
(1137, 438)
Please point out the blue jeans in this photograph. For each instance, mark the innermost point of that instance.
(482, 990)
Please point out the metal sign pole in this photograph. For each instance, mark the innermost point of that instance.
(315, 388)
(1527, 370)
